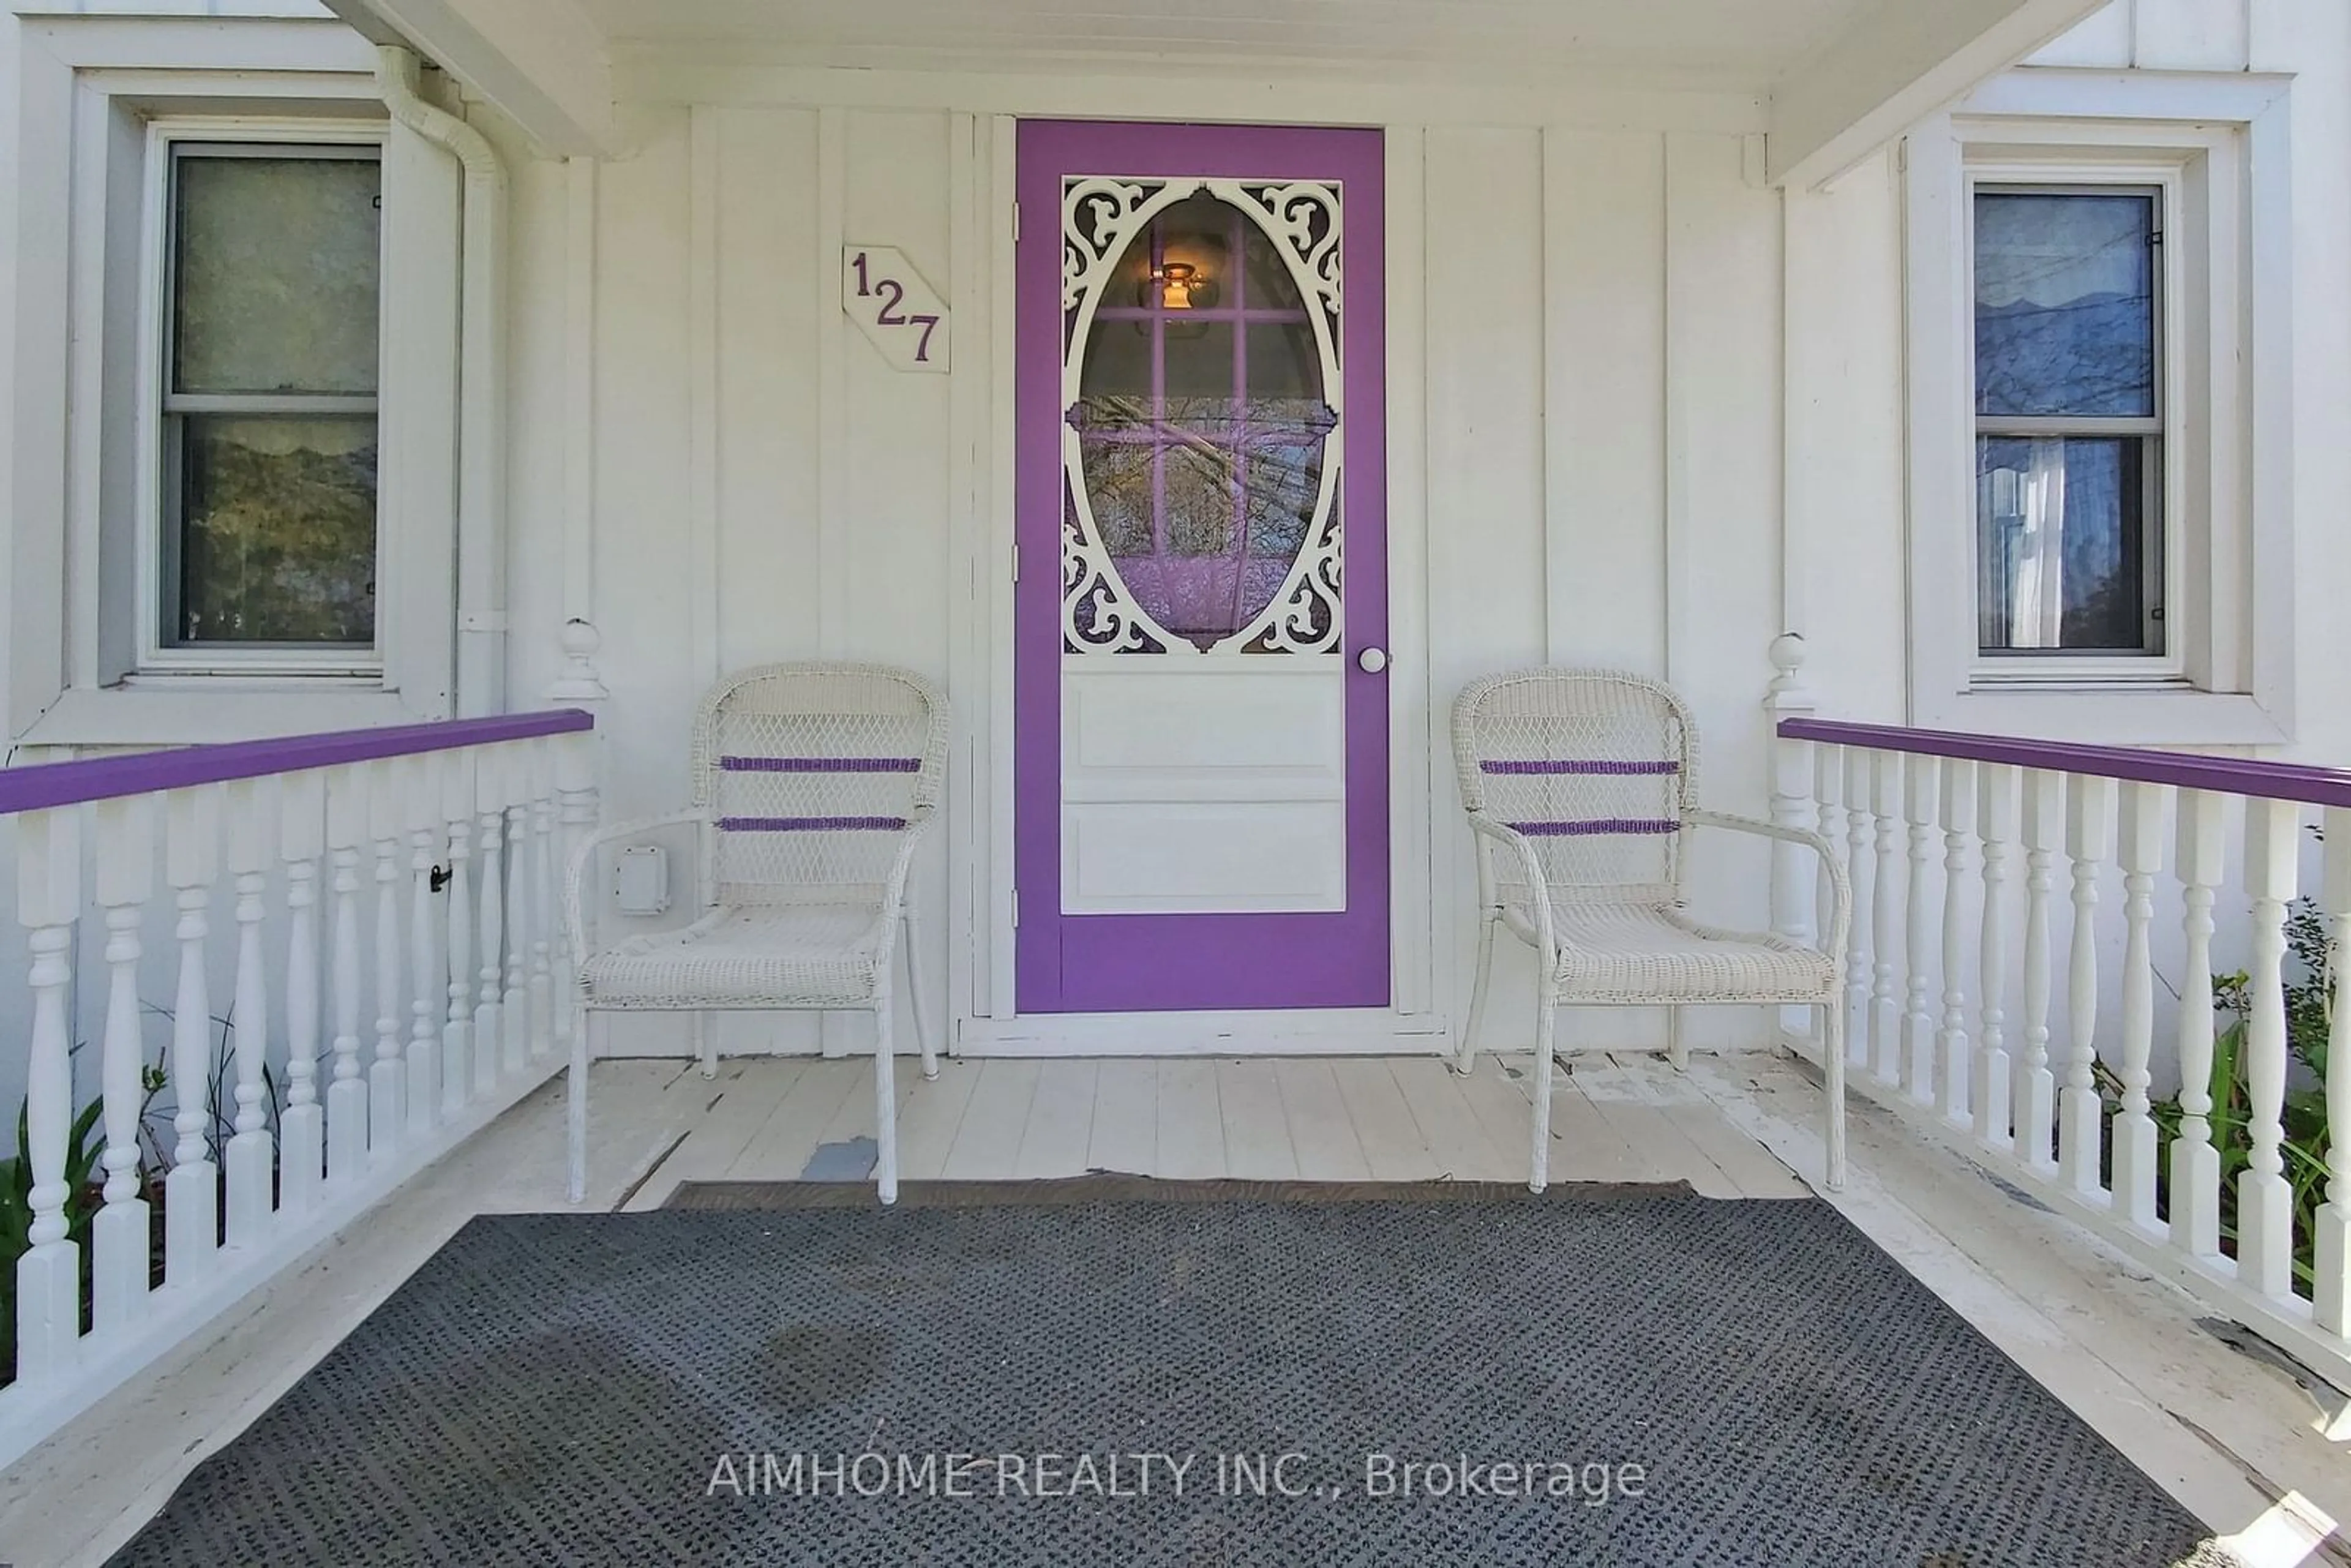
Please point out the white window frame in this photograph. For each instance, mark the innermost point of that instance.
(2172, 331)
(2215, 147)
(155, 655)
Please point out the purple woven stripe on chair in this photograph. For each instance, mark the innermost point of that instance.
(821, 764)
(811, 824)
(1557, 766)
(1595, 827)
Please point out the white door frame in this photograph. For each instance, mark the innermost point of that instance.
(979, 819)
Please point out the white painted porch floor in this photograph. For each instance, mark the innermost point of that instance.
(2229, 1435)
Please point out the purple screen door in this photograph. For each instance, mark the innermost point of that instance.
(1201, 761)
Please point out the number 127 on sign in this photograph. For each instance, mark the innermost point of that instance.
(899, 313)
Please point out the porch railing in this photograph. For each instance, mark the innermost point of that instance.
(1966, 1014)
(393, 980)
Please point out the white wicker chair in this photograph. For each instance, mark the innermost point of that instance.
(1579, 786)
(812, 785)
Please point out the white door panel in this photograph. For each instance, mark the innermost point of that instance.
(1213, 785)
(1191, 858)
(1237, 710)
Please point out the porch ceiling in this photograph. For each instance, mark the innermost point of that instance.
(1841, 76)
(1752, 44)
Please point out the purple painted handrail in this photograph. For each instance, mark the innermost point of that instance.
(108, 777)
(2227, 775)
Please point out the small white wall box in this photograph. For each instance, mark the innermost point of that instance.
(640, 879)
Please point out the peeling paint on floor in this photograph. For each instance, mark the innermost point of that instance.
(849, 1161)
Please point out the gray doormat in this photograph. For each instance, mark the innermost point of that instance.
(1137, 1375)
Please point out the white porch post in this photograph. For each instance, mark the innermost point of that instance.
(1794, 880)
(576, 772)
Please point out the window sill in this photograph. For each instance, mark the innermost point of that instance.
(219, 679)
(187, 713)
(2110, 714)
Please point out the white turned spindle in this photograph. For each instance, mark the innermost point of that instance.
(48, 1273)
(2089, 828)
(387, 1075)
(1794, 875)
(2264, 1199)
(513, 1045)
(1884, 1001)
(2195, 1163)
(2331, 1230)
(119, 1244)
(302, 1129)
(457, 773)
(2036, 1084)
(1996, 826)
(2139, 849)
(191, 1192)
(1828, 778)
(1959, 1066)
(347, 1093)
(489, 1005)
(544, 1004)
(1858, 865)
(252, 1161)
(420, 786)
(1921, 774)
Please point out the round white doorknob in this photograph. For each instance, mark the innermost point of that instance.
(1372, 659)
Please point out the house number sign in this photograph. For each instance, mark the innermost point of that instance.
(895, 309)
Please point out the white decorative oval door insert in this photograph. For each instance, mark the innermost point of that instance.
(1201, 388)
(1200, 756)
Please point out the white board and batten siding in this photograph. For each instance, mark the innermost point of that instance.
(1644, 410)
(2165, 36)
(1583, 465)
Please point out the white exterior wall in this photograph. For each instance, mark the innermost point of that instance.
(137, 46)
(1628, 277)
(1656, 419)
(1846, 333)
(1644, 410)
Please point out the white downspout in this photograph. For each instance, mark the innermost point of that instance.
(481, 387)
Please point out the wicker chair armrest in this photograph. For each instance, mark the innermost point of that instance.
(894, 891)
(1530, 867)
(574, 924)
(1840, 884)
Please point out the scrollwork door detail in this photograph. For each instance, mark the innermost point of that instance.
(1203, 424)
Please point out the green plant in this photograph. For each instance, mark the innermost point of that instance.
(84, 1146)
(82, 1151)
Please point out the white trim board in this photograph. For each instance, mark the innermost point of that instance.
(1418, 859)
(970, 935)
(981, 838)
(1185, 91)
